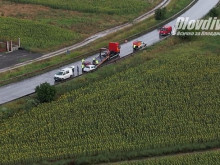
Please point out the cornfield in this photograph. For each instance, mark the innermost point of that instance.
(35, 35)
(166, 102)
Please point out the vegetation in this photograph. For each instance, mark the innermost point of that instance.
(187, 34)
(45, 92)
(122, 7)
(160, 14)
(167, 104)
(214, 12)
(34, 35)
(210, 157)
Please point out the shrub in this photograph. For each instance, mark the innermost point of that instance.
(214, 13)
(45, 92)
(186, 34)
(160, 14)
(30, 103)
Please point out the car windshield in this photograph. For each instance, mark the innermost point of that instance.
(163, 29)
(87, 66)
(59, 73)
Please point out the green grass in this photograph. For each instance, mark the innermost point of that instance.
(8, 77)
(35, 35)
(133, 108)
(209, 157)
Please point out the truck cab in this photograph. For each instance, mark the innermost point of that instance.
(114, 49)
(166, 30)
(64, 74)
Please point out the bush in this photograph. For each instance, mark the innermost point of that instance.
(5, 113)
(214, 13)
(187, 34)
(160, 14)
(45, 92)
(30, 103)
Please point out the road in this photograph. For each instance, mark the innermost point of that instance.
(22, 88)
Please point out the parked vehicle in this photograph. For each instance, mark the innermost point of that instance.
(114, 49)
(64, 74)
(89, 68)
(138, 45)
(166, 30)
(104, 52)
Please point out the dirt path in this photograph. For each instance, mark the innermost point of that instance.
(162, 156)
(90, 39)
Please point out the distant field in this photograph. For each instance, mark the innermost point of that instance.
(35, 35)
(206, 158)
(78, 18)
(137, 107)
(119, 7)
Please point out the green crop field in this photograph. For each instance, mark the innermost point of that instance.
(206, 158)
(170, 102)
(74, 20)
(35, 35)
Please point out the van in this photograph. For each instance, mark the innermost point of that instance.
(64, 74)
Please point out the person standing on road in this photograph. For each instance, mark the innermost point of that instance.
(93, 61)
(77, 70)
(96, 62)
(83, 66)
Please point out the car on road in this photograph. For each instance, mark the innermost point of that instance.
(138, 45)
(89, 68)
(166, 30)
(64, 73)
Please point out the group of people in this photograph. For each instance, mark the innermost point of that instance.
(94, 62)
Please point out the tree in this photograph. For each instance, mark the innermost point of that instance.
(214, 12)
(160, 14)
(45, 92)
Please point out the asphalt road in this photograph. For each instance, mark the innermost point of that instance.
(18, 56)
(19, 89)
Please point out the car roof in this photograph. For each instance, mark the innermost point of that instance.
(166, 26)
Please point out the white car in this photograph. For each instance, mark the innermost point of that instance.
(64, 74)
(89, 68)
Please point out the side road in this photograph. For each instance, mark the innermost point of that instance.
(134, 161)
(90, 39)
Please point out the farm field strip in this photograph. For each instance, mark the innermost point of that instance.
(196, 158)
(171, 105)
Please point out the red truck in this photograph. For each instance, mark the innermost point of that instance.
(114, 49)
(166, 30)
